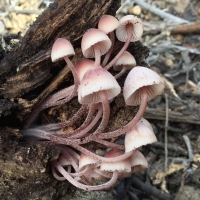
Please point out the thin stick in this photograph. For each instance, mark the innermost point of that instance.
(189, 148)
(160, 12)
(166, 128)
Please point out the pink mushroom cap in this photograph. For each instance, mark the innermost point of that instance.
(141, 134)
(140, 77)
(125, 59)
(82, 66)
(108, 23)
(60, 49)
(138, 162)
(86, 160)
(122, 166)
(97, 79)
(137, 32)
(94, 36)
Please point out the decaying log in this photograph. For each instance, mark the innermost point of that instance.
(27, 76)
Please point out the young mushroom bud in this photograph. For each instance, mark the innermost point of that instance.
(141, 134)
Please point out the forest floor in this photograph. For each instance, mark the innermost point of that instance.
(174, 161)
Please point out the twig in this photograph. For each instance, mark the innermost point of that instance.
(166, 128)
(171, 147)
(188, 28)
(157, 37)
(187, 62)
(149, 189)
(160, 12)
(189, 148)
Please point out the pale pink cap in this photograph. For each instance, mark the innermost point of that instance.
(60, 49)
(86, 160)
(126, 59)
(140, 77)
(108, 23)
(138, 162)
(97, 79)
(122, 166)
(121, 32)
(82, 66)
(64, 161)
(94, 36)
(141, 134)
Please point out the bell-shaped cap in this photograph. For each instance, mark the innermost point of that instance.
(137, 32)
(126, 59)
(97, 79)
(60, 49)
(108, 23)
(141, 134)
(122, 166)
(140, 77)
(90, 38)
(82, 66)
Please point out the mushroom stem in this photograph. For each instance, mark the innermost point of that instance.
(106, 112)
(82, 186)
(108, 54)
(90, 126)
(84, 125)
(121, 72)
(116, 133)
(57, 97)
(97, 55)
(51, 127)
(100, 158)
(129, 32)
(110, 144)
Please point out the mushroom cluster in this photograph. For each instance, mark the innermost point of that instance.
(96, 88)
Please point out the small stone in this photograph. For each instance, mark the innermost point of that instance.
(136, 10)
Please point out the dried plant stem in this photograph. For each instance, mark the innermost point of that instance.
(166, 133)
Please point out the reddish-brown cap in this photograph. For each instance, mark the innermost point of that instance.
(121, 32)
(60, 49)
(97, 79)
(140, 77)
(126, 59)
(108, 23)
(90, 38)
(141, 134)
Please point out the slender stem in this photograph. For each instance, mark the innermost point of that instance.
(71, 160)
(129, 31)
(58, 96)
(110, 144)
(120, 73)
(81, 173)
(51, 127)
(126, 128)
(54, 103)
(85, 123)
(97, 55)
(100, 158)
(106, 112)
(47, 103)
(108, 54)
(90, 126)
(86, 187)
